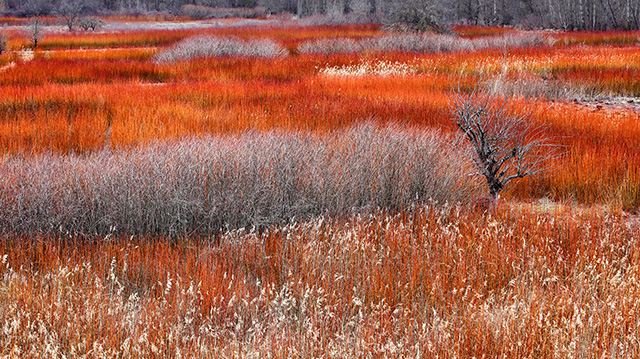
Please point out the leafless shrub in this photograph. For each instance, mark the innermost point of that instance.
(330, 46)
(517, 40)
(505, 147)
(396, 42)
(432, 43)
(339, 19)
(422, 43)
(199, 12)
(419, 42)
(89, 22)
(205, 185)
(211, 46)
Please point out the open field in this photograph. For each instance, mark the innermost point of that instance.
(274, 189)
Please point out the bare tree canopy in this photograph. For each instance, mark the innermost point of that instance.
(35, 33)
(70, 10)
(505, 146)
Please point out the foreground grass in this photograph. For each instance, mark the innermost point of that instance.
(434, 281)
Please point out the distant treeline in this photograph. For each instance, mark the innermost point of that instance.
(560, 14)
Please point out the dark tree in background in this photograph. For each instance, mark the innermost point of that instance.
(33, 8)
(422, 15)
(71, 10)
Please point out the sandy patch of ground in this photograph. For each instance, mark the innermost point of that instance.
(611, 102)
(186, 25)
(117, 26)
(26, 55)
(7, 66)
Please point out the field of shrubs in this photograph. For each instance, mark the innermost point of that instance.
(287, 189)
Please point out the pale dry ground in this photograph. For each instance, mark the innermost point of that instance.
(188, 25)
(25, 56)
(123, 26)
(7, 66)
(116, 26)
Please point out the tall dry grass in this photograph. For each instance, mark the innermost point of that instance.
(210, 184)
(435, 282)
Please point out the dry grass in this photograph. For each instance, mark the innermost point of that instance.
(434, 282)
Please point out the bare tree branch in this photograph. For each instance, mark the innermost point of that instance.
(505, 146)
(35, 33)
(70, 10)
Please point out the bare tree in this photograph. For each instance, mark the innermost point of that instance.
(36, 7)
(423, 15)
(89, 22)
(505, 146)
(70, 10)
(35, 33)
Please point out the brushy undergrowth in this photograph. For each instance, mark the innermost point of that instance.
(212, 46)
(421, 43)
(205, 185)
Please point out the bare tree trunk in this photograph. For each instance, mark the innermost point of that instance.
(613, 15)
(299, 9)
(494, 17)
(552, 13)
